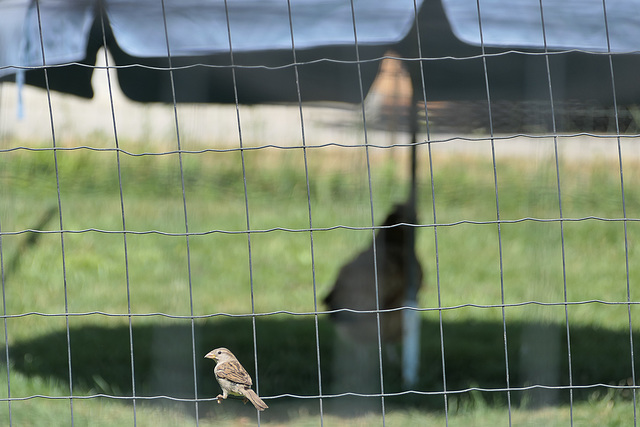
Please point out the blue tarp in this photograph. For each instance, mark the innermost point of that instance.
(199, 27)
(194, 27)
(568, 24)
(324, 36)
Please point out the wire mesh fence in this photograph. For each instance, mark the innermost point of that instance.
(136, 237)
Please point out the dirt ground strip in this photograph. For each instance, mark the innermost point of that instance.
(94, 123)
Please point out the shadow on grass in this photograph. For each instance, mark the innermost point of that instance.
(287, 357)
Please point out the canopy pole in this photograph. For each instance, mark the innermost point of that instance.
(411, 317)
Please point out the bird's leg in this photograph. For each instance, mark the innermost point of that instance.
(221, 396)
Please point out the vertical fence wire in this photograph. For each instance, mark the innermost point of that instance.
(423, 80)
(246, 200)
(438, 288)
(122, 213)
(6, 331)
(624, 211)
(561, 215)
(185, 211)
(498, 224)
(311, 248)
(373, 231)
(60, 216)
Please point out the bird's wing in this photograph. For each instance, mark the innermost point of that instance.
(233, 371)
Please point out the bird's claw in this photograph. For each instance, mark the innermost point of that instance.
(219, 398)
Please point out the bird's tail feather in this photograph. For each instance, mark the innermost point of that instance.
(257, 402)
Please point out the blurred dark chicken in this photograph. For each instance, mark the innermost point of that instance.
(355, 286)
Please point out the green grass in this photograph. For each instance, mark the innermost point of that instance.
(280, 270)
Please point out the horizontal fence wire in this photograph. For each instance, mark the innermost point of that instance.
(432, 141)
(561, 52)
(319, 312)
(428, 142)
(334, 227)
(337, 395)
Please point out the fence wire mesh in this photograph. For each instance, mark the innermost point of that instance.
(124, 260)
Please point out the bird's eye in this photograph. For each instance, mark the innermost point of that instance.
(219, 352)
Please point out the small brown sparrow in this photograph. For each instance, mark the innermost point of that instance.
(233, 378)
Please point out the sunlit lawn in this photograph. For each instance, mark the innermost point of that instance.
(103, 275)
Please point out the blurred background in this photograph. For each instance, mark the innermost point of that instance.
(249, 184)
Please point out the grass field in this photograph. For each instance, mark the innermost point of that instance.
(215, 275)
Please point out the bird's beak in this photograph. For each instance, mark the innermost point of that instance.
(210, 355)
